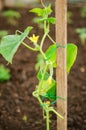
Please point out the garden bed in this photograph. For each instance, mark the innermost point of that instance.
(16, 100)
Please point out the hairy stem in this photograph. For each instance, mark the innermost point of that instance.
(33, 49)
(47, 120)
(45, 34)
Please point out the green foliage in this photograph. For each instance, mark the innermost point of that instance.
(42, 12)
(50, 91)
(83, 12)
(4, 73)
(11, 16)
(71, 55)
(10, 43)
(82, 34)
(69, 17)
(42, 16)
(46, 60)
(51, 56)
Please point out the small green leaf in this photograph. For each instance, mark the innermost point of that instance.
(51, 54)
(40, 73)
(71, 55)
(51, 20)
(51, 93)
(10, 43)
(37, 11)
(42, 12)
(48, 10)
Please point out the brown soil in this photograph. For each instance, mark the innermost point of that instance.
(16, 98)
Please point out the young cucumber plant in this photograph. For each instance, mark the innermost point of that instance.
(82, 34)
(45, 90)
(11, 16)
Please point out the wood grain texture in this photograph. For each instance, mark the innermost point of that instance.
(61, 76)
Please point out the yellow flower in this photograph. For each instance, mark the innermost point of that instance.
(49, 80)
(34, 38)
(47, 103)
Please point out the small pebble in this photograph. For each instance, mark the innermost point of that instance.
(82, 69)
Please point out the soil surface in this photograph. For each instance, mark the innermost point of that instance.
(19, 110)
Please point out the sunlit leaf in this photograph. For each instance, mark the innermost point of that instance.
(37, 11)
(42, 12)
(10, 43)
(71, 55)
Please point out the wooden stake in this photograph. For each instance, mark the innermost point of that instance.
(61, 38)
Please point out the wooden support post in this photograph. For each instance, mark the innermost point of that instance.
(61, 38)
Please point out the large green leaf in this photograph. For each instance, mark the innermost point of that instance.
(71, 55)
(10, 43)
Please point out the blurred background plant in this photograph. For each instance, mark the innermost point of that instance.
(69, 17)
(3, 33)
(4, 73)
(83, 12)
(11, 16)
(82, 34)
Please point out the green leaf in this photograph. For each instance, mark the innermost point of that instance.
(51, 20)
(39, 75)
(71, 55)
(10, 43)
(51, 93)
(37, 11)
(48, 10)
(42, 12)
(51, 54)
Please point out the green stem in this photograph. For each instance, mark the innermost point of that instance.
(51, 39)
(41, 45)
(43, 54)
(33, 49)
(47, 120)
